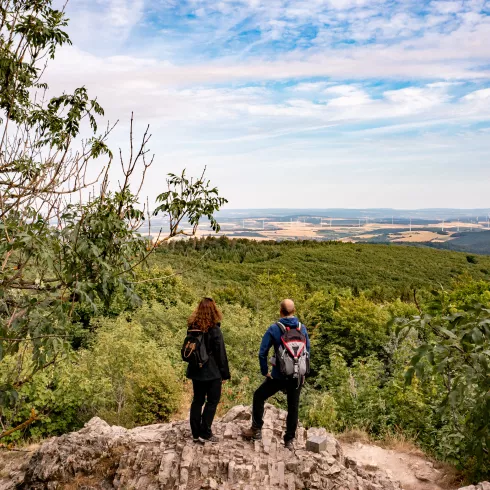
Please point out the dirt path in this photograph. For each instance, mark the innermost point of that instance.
(413, 471)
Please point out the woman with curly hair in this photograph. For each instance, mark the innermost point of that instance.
(207, 380)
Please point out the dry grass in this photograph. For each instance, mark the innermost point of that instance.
(185, 404)
(401, 443)
(354, 435)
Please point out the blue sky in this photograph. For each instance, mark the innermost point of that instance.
(298, 103)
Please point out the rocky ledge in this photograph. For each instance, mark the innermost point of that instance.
(163, 456)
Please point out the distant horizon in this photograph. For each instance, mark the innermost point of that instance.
(358, 208)
(427, 214)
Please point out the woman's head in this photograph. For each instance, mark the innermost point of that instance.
(205, 316)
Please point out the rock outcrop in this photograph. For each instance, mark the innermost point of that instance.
(164, 456)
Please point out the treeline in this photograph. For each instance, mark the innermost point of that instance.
(383, 272)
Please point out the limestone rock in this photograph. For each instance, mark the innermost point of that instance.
(316, 444)
(163, 456)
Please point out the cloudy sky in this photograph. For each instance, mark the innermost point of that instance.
(297, 103)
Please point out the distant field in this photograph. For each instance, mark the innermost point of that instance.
(458, 234)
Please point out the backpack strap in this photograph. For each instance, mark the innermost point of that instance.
(282, 327)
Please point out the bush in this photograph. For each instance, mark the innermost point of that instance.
(56, 397)
(355, 326)
(132, 381)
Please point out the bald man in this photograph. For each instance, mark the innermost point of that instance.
(275, 381)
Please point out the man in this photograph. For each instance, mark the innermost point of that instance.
(276, 381)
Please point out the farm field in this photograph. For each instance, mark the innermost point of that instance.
(440, 233)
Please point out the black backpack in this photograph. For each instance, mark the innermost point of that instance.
(194, 349)
(291, 355)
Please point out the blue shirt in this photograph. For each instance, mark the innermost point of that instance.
(272, 338)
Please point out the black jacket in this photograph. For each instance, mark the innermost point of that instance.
(217, 365)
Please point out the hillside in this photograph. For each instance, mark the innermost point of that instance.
(478, 243)
(212, 263)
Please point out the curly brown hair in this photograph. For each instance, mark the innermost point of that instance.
(205, 316)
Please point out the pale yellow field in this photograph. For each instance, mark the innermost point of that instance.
(419, 236)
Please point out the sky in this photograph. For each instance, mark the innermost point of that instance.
(296, 103)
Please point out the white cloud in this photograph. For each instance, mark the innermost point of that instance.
(447, 7)
(478, 95)
(102, 24)
(288, 83)
(309, 86)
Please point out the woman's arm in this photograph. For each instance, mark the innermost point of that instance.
(219, 352)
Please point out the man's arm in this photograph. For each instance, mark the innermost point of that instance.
(265, 346)
(307, 339)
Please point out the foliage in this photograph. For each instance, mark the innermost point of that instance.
(132, 381)
(356, 327)
(458, 352)
(360, 359)
(69, 251)
(355, 390)
(381, 272)
(54, 394)
(190, 199)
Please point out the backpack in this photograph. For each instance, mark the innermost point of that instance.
(194, 349)
(291, 355)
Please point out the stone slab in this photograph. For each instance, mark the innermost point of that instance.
(316, 444)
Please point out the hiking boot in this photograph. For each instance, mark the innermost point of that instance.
(212, 439)
(289, 444)
(252, 434)
(196, 440)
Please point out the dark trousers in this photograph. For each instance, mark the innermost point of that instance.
(269, 388)
(208, 392)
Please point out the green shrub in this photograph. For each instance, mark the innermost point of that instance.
(132, 381)
(355, 326)
(320, 410)
(57, 398)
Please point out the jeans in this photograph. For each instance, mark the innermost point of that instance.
(269, 388)
(208, 392)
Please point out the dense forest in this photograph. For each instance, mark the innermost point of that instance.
(467, 242)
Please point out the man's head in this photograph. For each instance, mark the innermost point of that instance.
(287, 308)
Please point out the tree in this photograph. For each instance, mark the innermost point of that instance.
(64, 241)
(456, 351)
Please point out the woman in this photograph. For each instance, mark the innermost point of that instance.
(207, 380)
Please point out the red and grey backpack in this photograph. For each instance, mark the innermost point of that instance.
(292, 355)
